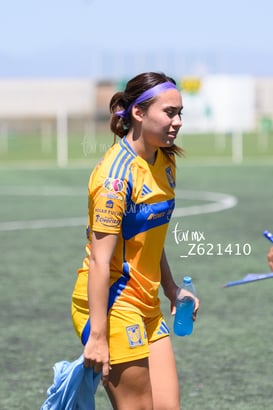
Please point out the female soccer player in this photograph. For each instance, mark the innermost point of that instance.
(115, 304)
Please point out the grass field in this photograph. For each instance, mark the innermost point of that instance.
(33, 149)
(227, 363)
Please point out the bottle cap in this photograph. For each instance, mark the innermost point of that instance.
(187, 280)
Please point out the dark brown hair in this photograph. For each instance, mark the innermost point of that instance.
(122, 100)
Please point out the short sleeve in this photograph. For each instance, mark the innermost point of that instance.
(107, 202)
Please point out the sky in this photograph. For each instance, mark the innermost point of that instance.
(96, 38)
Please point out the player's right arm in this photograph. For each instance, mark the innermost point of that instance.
(96, 352)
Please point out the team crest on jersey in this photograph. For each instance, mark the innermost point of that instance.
(170, 177)
(113, 184)
(134, 336)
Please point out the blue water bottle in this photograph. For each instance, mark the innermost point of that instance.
(183, 323)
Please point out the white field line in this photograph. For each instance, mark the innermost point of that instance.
(41, 191)
(219, 202)
(42, 224)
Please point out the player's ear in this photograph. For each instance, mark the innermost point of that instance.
(137, 113)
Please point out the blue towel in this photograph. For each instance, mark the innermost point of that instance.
(74, 387)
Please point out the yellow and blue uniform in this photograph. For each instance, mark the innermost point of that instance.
(133, 199)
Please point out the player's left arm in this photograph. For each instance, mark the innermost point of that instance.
(169, 286)
(167, 282)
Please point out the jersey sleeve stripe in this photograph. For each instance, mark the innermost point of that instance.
(115, 163)
(125, 145)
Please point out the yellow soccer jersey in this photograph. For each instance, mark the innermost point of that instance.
(133, 199)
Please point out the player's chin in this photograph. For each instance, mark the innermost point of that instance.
(169, 141)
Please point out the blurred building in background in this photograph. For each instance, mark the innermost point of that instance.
(212, 104)
(218, 103)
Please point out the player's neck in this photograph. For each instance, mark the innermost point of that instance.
(144, 150)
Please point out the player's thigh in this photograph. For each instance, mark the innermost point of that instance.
(163, 375)
(129, 386)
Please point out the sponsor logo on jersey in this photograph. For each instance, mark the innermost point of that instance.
(109, 204)
(111, 195)
(156, 216)
(170, 177)
(113, 184)
(107, 221)
(134, 336)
